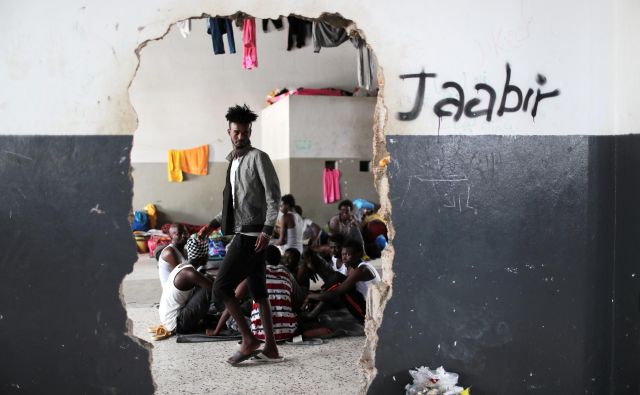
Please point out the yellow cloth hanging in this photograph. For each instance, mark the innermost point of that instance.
(195, 160)
(173, 166)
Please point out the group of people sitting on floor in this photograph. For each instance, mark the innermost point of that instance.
(302, 253)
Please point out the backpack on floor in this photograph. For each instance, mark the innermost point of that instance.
(140, 221)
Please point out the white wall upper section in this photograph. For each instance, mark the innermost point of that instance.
(319, 127)
(274, 130)
(182, 90)
(627, 86)
(331, 127)
(65, 65)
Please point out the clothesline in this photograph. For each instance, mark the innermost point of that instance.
(323, 35)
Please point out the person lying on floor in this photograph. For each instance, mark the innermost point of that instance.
(360, 276)
(186, 295)
(173, 254)
(285, 297)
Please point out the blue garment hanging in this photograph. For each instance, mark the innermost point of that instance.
(216, 27)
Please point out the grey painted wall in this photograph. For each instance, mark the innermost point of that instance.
(507, 269)
(626, 270)
(66, 247)
(198, 198)
(306, 186)
(528, 283)
(195, 200)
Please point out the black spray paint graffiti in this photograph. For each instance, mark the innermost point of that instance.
(469, 109)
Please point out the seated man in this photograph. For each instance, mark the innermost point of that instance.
(291, 260)
(312, 233)
(173, 254)
(335, 246)
(284, 297)
(345, 223)
(353, 290)
(186, 295)
(290, 225)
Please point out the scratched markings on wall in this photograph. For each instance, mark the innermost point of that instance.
(456, 107)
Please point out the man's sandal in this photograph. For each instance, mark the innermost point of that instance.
(162, 333)
(153, 329)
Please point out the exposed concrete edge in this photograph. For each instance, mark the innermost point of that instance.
(129, 324)
(380, 293)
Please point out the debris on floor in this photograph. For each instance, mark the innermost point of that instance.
(434, 382)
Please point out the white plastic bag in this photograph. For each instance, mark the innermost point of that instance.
(433, 382)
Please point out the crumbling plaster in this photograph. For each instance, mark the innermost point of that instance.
(87, 59)
(74, 79)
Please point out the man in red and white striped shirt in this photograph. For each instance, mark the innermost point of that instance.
(280, 290)
(284, 294)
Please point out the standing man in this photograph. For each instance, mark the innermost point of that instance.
(249, 211)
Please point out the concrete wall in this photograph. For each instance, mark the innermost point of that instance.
(195, 200)
(306, 186)
(319, 129)
(182, 90)
(333, 127)
(73, 80)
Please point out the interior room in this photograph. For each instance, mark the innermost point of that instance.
(315, 109)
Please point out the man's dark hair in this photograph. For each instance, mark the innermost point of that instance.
(298, 210)
(354, 245)
(289, 200)
(241, 114)
(345, 203)
(294, 252)
(337, 238)
(272, 255)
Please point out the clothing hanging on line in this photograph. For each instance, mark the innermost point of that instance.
(365, 65)
(174, 171)
(250, 53)
(195, 160)
(277, 24)
(325, 35)
(330, 185)
(184, 27)
(336, 185)
(216, 27)
(299, 29)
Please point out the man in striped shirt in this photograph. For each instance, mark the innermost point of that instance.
(285, 296)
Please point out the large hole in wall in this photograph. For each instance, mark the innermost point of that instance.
(181, 93)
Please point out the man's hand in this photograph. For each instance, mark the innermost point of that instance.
(204, 232)
(262, 242)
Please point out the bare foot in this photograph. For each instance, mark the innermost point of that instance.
(271, 351)
(247, 348)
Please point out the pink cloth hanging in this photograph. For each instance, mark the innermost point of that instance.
(330, 185)
(327, 185)
(250, 53)
(336, 185)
